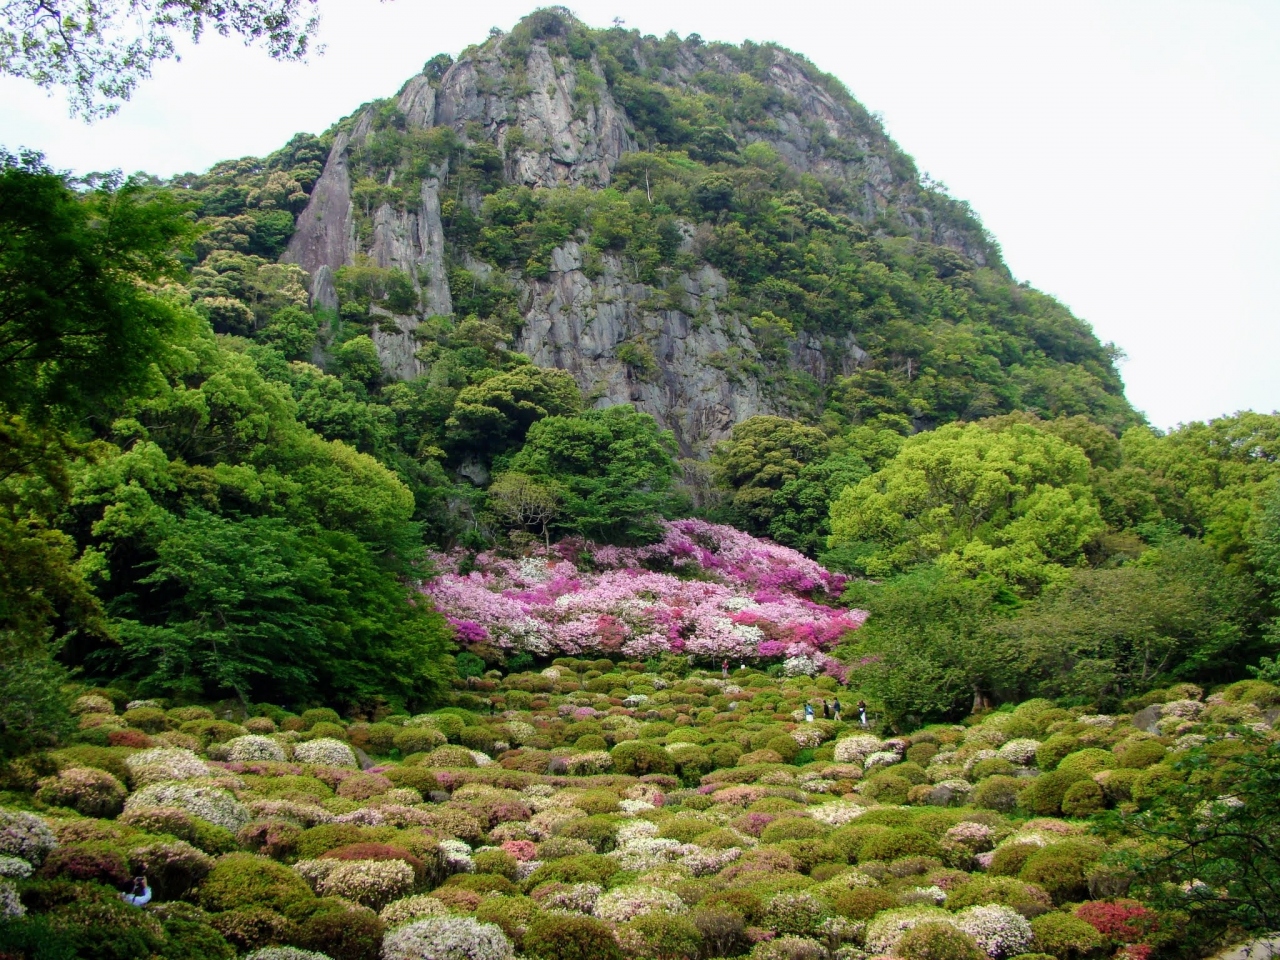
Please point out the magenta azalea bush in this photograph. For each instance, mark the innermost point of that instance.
(751, 600)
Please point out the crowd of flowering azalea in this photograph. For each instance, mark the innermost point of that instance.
(706, 591)
(596, 810)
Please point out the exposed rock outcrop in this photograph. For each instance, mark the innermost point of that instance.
(679, 353)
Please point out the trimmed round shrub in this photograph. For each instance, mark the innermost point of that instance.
(242, 880)
(862, 903)
(1088, 761)
(1027, 899)
(447, 938)
(147, 719)
(789, 948)
(1062, 869)
(571, 938)
(98, 925)
(937, 941)
(1054, 749)
(415, 778)
(992, 767)
(894, 844)
(512, 915)
(277, 839)
(1139, 754)
(793, 828)
(638, 758)
(999, 931)
(87, 861)
(1065, 937)
(212, 804)
(325, 751)
(885, 930)
(628, 902)
(420, 739)
(498, 862)
(249, 928)
(339, 929)
(411, 908)
(370, 883)
(319, 715)
(886, 788)
(1083, 799)
(286, 953)
(171, 868)
(997, 793)
(796, 913)
(660, 936)
(253, 747)
(94, 793)
(1044, 795)
(1009, 859)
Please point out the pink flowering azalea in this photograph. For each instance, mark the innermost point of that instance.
(751, 599)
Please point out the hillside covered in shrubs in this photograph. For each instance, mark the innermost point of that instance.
(607, 810)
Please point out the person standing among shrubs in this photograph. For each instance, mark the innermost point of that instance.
(139, 895)
(862, 712)
(835, 710)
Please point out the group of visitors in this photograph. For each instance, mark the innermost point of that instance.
(831, 711)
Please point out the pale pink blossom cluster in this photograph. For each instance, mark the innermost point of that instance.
(752, 599)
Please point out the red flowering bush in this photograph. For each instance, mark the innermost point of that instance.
(1121, 921)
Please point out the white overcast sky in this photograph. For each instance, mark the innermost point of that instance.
(1125, 153)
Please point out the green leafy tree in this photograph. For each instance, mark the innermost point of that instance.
(80, 319)
(1014, 503)
(1211, 848)
(526, 502)
(256, 608)
(762, 455)
(926, 651)
(495, 415)
(1105, 634)
(615, 467)
(100, 52)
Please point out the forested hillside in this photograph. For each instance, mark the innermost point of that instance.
(553, 295)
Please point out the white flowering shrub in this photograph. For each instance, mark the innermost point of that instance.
(325, 751)
(447, 938)
(626, 903)
(14, 867)
(857, 748)
(25, 836)
(974, 836)
(886, 928)
(1021, 751)
(408, 909)
(645, 853)
(999, 930)
(456, 856)
(10, 903)
(371, 883)
(589, 764)
(253, 747)
(881, 758)
(1186, 709)
(704, 862)
(213, 804)
(809, 736)
(165, 763)
(836, 813)
(91, 703)
(633, 807)
(286, 953)
(801, 666)
(575, 898)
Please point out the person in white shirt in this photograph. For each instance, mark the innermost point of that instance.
(140, 894)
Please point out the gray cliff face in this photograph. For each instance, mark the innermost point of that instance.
(550, 133)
